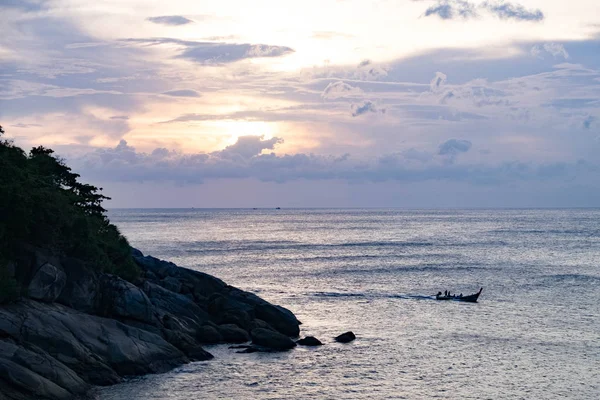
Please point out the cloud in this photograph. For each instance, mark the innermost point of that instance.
(587, 123)
(438, 82)
(244, 159)
(365, 108)
(453, 9)
(173, 20)
(339, 89)
(450, 9)
(554, 49)
(505, 10)
(25, 126)
(250, 146)
(211, 53)
(182, 93)
(453, 147)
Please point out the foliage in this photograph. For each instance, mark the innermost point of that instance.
(42, 203)
(9, 288)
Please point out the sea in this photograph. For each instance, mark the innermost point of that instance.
(534, 334)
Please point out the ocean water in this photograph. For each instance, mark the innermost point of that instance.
(535, 333)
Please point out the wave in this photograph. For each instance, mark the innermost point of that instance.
(371, 295)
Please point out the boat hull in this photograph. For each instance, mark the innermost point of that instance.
(467, 299)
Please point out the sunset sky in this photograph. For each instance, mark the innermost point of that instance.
(329, 103)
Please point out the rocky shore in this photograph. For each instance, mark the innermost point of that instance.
(77, 328)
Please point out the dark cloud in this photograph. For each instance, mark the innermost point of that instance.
(173, 20)
(365, 108)
(453, 9)
(182, 93)
(217, 53)
(504, 10)
(453, 147)
(450, 9)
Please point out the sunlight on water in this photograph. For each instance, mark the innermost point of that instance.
(535, 333)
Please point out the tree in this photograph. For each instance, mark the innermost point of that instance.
(43, 203)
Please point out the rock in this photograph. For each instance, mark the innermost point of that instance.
(82, 291)
(30, 382)
(271, 339)
(209, 334)
(47, 283)
(40, 362)
(122, 299)
(151, 276)
(171, 284)
(259, 323)
(345, 337)
(188, 345)
(309, 341)
(99, 350)
(136, 253)
(167, 302)
(233, 334)
(279, 318)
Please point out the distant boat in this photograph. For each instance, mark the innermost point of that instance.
(278, 208)
(469, 299)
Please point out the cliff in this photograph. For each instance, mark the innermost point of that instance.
(77, 327)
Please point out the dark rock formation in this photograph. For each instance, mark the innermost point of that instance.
(271, 339)
(233, 334)
(309, 341)
(345, 337)
(209, 334)
(80, 327)
(47, 283)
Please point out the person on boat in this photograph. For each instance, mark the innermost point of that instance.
(445, 293)
(460, 295)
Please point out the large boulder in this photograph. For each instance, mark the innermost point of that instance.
(346, 337)
(233, 334)
(167, 302)
(279, 318)
(309, 341)
(209, 334)
(82, 290)
(123, 299)
(272, 340)
(47, 283)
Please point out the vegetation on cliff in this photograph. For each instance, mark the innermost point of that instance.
(43, 204)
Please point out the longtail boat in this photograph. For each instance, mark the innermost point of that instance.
(469, 299)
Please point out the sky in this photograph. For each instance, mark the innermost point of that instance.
(328, 103)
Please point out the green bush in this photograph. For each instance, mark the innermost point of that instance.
(42, 203)
(9, 288)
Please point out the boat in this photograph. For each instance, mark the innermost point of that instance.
(469, 299)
